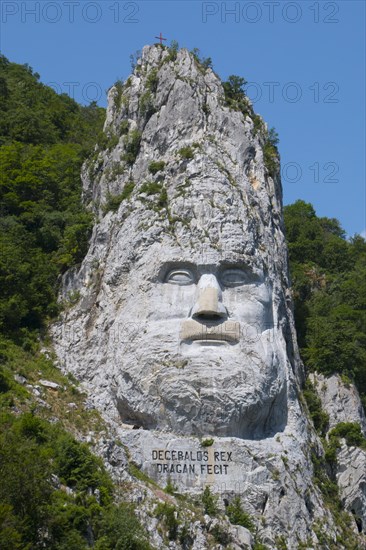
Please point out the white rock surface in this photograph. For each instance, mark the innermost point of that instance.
(20, 379)
(342, 403)
(351, 478)
(49, 384)
(339, 399)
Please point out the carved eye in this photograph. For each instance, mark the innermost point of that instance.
(234, 277)
(179, 277)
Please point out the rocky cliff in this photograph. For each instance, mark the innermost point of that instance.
(183, 333)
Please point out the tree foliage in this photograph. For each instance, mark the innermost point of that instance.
(352, 433)
(44, 138)
(209, 502)
(238, 516)
(329, 287)
(234, 88)
(36, 511)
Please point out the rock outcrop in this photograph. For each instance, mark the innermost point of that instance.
(340, 400)
(183, 335)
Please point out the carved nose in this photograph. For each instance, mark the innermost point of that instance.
(209, 299)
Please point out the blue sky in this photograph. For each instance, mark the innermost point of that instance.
(304, 61)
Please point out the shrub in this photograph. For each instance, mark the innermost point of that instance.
(281, 543)
(270, 152)
(113, 201)
(270, 158)
(220, 535)
(170, 487)
(258, 123)
(134, 57)
(235, 97)
(207, 442)
(124, 126)
(4, 381)
(203, 63)
(328, 487)
(152, 81)
(186, 152)
(127, 190)
(318, 416)
(156, 166)
(185, 538)
(32, 427)
(118, 97)
(151, 188)
(173, 50)
(163, 198)
(146, 104)
(351, 432)
(234, 88)
(108, 141)
(10, 526)
(330, 452)
(122, 530)
(132, 147)
(24, 487)
(166, 513)
(76, 466)
(209, 502)
(238, 516)
(206, 108)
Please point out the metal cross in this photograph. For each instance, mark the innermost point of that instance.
(160, 38)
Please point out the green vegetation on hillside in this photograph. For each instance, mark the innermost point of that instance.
(35, 114)
(55, 494)
(329, 288)
(44, 138)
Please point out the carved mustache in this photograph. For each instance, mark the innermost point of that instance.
(228, 331)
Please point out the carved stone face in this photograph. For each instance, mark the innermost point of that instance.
(205, 356)
(181, 324)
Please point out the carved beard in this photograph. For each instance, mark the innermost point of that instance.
(230, 391)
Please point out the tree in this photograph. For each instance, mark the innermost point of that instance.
(234, 87)
(24, 472)
(237, 516)
(209, 502)
(121, 530)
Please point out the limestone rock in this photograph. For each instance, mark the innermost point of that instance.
(243, 536)
(339, 399)
(49, 384)
(351, 478)
(20, 379)
(342, 403)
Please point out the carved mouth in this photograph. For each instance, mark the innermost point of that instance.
(210, 332)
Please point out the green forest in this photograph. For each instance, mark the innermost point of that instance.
(44, 139)
(328, 275)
